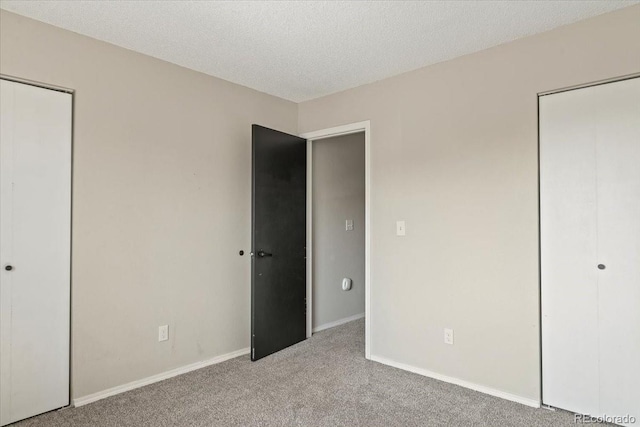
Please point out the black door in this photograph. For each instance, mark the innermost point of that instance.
(278, 264)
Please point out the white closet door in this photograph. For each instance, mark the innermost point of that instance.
(568, 228)
(590, 215)
(618, 134)
(35, 230)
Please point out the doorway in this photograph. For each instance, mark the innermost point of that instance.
(338, 216)
(338, 230)
(282, 245)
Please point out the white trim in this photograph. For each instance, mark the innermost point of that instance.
(156, 378)
(338, 322)
(477, 387)
(337, 131)
(323, 134)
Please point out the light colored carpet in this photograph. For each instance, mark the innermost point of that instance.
(323, 381)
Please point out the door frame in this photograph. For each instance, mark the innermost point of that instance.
(72, 92)
(538, 96)
(364, 126)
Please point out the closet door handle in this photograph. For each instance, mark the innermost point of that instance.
(8, 267)
(601, 266)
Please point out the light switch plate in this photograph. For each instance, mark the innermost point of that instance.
(348, 225)
(400, 228)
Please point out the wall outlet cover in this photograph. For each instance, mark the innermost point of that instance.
(163, 333)
(448, 336)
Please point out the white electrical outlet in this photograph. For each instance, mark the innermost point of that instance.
(163, 333)
(348, 226)
(448, 336)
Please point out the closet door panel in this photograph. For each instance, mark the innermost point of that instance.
(568, 251)
(35, 239)
(618, 189)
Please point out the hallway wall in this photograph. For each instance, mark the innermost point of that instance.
(338, 195)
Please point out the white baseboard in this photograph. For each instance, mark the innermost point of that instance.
(477, 387)
(338, 322)
(156, 378)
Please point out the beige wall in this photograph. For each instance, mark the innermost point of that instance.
(338, 195)
(161, 201)
(454, 154)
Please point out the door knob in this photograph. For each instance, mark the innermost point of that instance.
(263, 254)
(8, 267)
(601, 266)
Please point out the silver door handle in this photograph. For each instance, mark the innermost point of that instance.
(261, 254)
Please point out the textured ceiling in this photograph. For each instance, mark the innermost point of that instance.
(307, 49)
